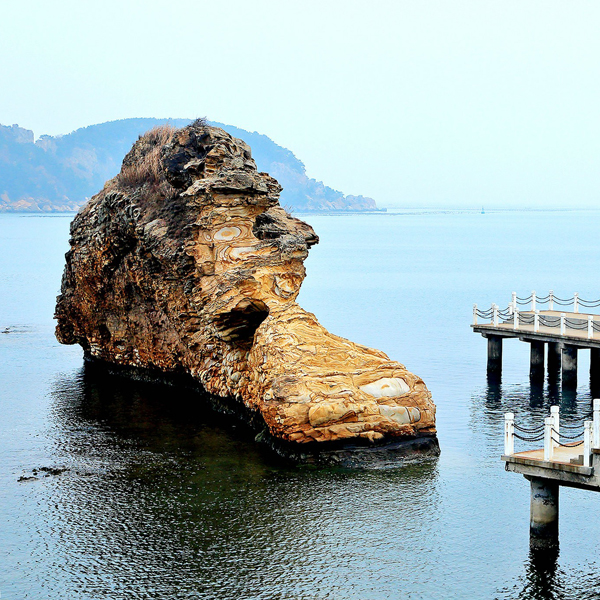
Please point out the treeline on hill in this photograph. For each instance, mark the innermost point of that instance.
(59, 173)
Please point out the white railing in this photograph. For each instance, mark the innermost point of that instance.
(533, 300)
(555, 416)
(509, 434)
(519, 319)
(550, 434)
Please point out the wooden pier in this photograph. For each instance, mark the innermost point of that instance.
(562, 333)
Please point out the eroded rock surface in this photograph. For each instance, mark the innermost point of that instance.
(186, 263)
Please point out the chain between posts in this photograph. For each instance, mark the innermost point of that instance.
(551, 435)
(513, 315)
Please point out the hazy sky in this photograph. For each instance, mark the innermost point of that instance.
(412, 102)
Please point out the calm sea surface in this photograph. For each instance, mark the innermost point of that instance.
(162, 501)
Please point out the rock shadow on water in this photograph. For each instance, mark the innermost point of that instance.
(98, 408)
(178, 501)
(154, 406)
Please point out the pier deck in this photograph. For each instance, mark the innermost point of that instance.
(564, 333)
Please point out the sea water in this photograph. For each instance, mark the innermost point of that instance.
(161, 499)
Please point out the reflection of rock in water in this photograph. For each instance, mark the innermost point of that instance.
(174, 506)
(185, 263)
(148, 416)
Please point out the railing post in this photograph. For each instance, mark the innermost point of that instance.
(562, 323)
(575, 302)
(587, 443)
(596, 423)
(551, 300)
(495, 315)
(533, 301)
(548, 445)
(555, 414)
(514, 301)
(536, 321)
(516, 319)
(590, 327)
(474, 314)
(509, 434)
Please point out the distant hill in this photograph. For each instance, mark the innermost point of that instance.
(59, 173)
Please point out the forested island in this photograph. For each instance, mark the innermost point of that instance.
(60, 173)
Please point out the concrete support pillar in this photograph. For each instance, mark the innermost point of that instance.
(543, 524)
(554, 360)
(569, 366)
(595, 371)
(536, 365)
(494, 362)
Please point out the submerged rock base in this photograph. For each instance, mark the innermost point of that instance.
(353, 454)
(185, 264)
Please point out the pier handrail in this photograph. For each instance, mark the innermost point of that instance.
(516, 317)
(550, 433)
(550, 299)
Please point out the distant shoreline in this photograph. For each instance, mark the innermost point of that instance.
(390, 211)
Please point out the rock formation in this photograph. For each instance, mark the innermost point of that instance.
(185, 263)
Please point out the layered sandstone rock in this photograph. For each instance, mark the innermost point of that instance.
(186, 263)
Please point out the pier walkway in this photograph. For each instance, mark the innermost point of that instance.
(564, 333)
